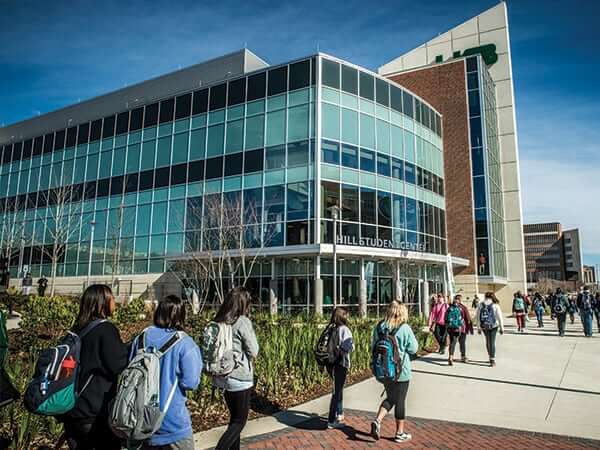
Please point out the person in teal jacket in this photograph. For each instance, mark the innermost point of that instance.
(396, 322)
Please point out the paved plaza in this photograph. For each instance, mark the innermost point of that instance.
(542, 384)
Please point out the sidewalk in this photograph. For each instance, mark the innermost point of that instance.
(542, 383)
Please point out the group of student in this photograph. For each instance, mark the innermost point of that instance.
(451, 322)
(104, 358)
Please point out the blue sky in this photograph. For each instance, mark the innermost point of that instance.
(56, 53)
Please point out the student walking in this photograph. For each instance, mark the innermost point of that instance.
(560, 308)
(180, 371)
(393, 336)
(458, 324)
(437, 322)
(490, 321)
(539, 306)
(238, 385)
(102, 358)
(585, 307)
(519, 311)
(341, 348)
(596, 307)
(572, 308)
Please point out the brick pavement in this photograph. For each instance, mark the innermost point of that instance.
(427, 434)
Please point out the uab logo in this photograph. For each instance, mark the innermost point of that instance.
(487, 52)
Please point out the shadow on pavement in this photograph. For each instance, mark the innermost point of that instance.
(355, 435)
(301, 420)
(434, 361)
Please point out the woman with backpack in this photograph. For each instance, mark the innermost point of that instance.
(342, 346)
(458, 324)
(572, 308)
(560, 308)
(102, 357)
(180, 371)
(539, 306)
(394, 326)
(238, 385)
(489, 320)
(437, 322)
(519, 310)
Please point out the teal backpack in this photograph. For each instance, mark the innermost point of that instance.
(454, 319)
(519, 304)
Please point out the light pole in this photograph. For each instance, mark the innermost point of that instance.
(92, 224)
(335, 211)
(21, 257)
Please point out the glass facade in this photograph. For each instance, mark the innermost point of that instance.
(277, 147)
(487, 182)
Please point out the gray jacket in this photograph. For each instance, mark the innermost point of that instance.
(245, 348)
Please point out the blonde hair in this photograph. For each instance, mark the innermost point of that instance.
(396, 315)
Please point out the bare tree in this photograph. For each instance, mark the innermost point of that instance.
(63, 206)
(231, 241)
(12, 232)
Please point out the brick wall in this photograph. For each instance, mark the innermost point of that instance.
(444, 87)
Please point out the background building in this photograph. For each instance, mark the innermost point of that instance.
(236, 156)
(589, 276)
(553, 254)
(466, 74)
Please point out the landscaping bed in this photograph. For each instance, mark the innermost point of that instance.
(286, 371)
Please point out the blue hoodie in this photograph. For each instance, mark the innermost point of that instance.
(184, 364)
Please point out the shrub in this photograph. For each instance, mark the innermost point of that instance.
(47, 318)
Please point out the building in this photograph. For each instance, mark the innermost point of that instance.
(157, 173)
(553, 253)
(589, 276)
(544, 252)
(466, 74)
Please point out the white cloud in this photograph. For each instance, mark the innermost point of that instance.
(564, 191)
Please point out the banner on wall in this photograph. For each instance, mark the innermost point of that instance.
(450, 276)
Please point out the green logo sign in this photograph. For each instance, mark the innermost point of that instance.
(487, 52)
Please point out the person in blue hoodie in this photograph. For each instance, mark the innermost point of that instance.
(182, 364)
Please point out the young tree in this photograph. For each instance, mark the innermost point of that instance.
(63, 205)
(12, 234)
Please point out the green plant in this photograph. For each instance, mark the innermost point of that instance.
(47, 318)
(130, 313)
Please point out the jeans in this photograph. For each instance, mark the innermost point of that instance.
(336, 406)
(539, 313)
(82, 435)
(238, 404)
(490, 342)
(439, 333)
(183, 444)
(462, 343)
(562, 322)
(587, 320)
(395, 396)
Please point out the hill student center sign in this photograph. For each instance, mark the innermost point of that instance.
(381, 243)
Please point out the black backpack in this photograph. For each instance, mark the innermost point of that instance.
(326, 346)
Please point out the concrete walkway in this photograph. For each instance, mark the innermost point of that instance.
(542, 383)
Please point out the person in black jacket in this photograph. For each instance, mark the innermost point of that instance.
(103, 357)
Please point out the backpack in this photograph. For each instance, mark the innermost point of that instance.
(326, 350)
(586, 301)
(54, 388)
(454, 319)
(217, 349)
(519, 304)
(559, 307)
(487, 317)
(538, 305)
(135, 413)
(386, 358)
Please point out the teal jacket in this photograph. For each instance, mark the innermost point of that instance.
(408, 346)
(3, 339)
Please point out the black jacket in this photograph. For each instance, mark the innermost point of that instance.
(103, 356)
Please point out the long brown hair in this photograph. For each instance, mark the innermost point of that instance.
(339, 316)
(236, 304)
(94, 304)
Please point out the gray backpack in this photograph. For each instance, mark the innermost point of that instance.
(135, 414)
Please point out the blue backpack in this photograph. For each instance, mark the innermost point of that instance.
(386, 362)
(454, 319)
(487, 317)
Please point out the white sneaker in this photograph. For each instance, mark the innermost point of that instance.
(403, 437)
(375, 430)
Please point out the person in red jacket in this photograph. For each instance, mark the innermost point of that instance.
(458, 325)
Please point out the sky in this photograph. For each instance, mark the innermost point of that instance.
(57, 53)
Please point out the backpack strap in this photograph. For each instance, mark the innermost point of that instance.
(90, 326)
(177, 336)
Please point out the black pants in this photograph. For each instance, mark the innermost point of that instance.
(336, 406)
(597, 313)
(91, 436)
(490, 342)
(439, 332)
(238, 404)
(561, 319)
(461, 338)
(395, 396)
